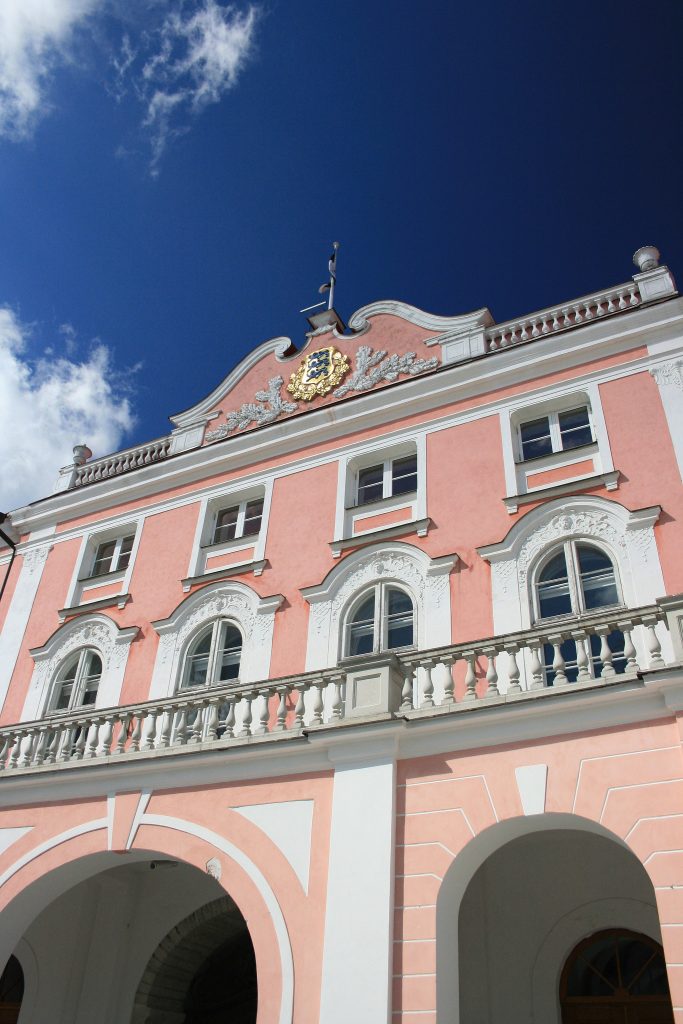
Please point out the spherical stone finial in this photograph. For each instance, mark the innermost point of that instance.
(81, 454)
(647, 258)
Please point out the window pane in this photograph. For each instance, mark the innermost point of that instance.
(92, 670)
(536, 438)
(198, 660)
(362, 628)
(554, 597)
(399, 619)
(252, 518)
(597, 578)
(370, 484)
(575, 428)
(229, 656)
(226, 524)
(404, 475)
(103, 557)
(124, 552)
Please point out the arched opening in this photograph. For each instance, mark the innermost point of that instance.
(202, 972)
(515, 903)
(11, 991)
(615, 976)
(140, 938)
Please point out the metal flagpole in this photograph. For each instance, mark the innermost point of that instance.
(332, 266)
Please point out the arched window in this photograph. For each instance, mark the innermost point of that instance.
(382, 619)
(77, 681)
(573, 580)
(616, 975)
(213, 657)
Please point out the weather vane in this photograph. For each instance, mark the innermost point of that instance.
(329, 285)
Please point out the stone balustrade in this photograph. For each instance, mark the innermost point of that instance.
(121, 462)
(491, 672)
(561, 318)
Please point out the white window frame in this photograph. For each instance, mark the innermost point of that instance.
(569, 547)
(387, 480)
(553, 417)
(204, 547)
(217, 626)
(519, 472)
(78, 688)
(118, 544)
(83, 588)
(380, 629)
(349, 515)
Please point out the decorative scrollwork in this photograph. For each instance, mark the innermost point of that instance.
(374, 367)
(269, 405)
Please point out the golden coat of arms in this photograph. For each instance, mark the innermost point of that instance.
(318, 374)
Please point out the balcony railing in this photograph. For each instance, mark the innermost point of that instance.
(491, 672)
(564, 317)
(121, 462)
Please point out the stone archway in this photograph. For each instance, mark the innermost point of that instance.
(515, 902)
(179, 984)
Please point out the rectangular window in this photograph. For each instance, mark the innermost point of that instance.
(388, 478)
(556, 432)
(243, 520)
(112, 555)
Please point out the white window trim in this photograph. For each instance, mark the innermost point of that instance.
(425, 579)
(561, 399)
(94, 631)
(78, 688)
(569, 545)
(203, 547)
(553, 417)
(347, 512)
(254, 616)
(381, 620)
(82, 585)
(216, 626)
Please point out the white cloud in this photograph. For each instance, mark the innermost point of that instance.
(50, 404)
(175, 58)
(35, 36)
(200, 57)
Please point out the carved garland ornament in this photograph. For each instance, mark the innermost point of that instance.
(567, 524)
(318, 374)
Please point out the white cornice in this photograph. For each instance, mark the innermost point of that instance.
(283, 349)
(418, 317)
(523, 363)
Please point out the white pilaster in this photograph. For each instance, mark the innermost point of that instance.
(357, 955)
(19, 610)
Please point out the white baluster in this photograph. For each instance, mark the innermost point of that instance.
(281, 724)
(180, 734)
(79, 741)
(582, 661)
(136, 734)
(92, 732)
(606, 655)
(39, 748)
(300, 708)
(629, 650)
(212, 719)
(5, 746)
(230, 719)
(559, 663)
(653, 645)
(318, 705)
(491, 674)
(537, 680)
(513, 670)
(16, 750)
(427, 685)
(52, 748)
(470, 677)
(150, 728)
(449, 686)
(105, 735)
(198, 723)
(165, 731)
(247, 699)
(337, 708)
(407, 691)
(264, 715)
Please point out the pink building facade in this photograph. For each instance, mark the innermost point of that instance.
(358, 696)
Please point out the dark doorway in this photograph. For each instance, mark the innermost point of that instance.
(11, 991)
(616, 977)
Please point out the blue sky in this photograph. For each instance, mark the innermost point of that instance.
(172, 175)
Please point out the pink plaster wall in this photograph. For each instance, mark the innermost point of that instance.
(551, 476)
(397, 515)
(629, 780)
